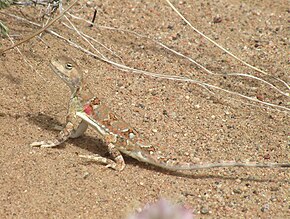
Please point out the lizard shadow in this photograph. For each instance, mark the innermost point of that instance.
(44, 121)
(96, 146)
(10, 77)
(195, 175)
(89, 143)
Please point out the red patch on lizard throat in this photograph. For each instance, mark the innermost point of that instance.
(88, 109)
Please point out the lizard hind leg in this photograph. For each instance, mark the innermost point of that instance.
(117, 164)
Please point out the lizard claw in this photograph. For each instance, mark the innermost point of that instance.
(109, 163)
(115, 166)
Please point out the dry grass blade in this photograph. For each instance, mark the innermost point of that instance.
(82, 34)
(182, 55)
(40, 30)
(223, 49)
(156, 75)
(25, 60)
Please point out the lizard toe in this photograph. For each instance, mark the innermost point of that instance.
(43, 144)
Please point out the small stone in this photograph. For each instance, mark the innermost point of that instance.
(86, 175)
(165, 113)
(89, 4)
(274, 189)
(237, 191)
(265, 208)
(227, 112)
(238, 180)
(140, 105)
(255, 192)
(146, 119)
(154, 130)
(217, 19)
(170, 26)
(244, 210)
(204, 210)
(175, 36)
(196, 159)
(173, 115)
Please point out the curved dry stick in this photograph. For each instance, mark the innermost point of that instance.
(186, 57)
(223, 49)
(156, 75)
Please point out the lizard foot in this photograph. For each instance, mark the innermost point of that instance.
(108, 162)
(43, 144)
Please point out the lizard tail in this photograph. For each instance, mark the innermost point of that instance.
(174, 165)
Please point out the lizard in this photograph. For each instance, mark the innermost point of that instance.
(86, 109)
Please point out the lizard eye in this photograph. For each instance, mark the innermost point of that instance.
(68, 66)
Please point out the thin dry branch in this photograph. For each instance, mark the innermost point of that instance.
(162, 76)
(182, 55)
(223, 49)
(40, 30)
(25, 60)
(82, 34)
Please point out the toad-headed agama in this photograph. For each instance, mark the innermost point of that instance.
(86, 109)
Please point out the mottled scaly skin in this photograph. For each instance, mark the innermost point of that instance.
(87, 109)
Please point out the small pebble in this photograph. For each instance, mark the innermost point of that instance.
(237, 191)
(165, 113)
(175, 36)
(217, 19)
(204, 210)
(86, 174)
(173, 115)
(140, 105)
(170, 26)
(244, 210)
(265, 208)
(154, 130)
(274, 189)
(89, 4)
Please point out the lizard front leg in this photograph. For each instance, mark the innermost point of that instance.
(73, 128)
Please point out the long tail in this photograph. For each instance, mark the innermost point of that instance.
(174, 165)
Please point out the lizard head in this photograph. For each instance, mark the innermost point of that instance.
(68, 71)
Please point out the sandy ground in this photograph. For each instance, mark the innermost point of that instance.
(184, 120)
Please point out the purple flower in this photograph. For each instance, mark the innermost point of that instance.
(163, 209)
